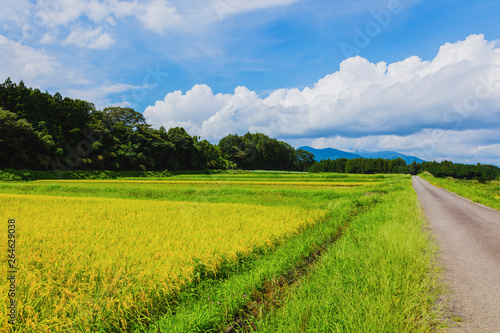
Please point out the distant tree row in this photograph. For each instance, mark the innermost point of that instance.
(41, 131)
(438, 169)
(479, 172)
(361, 165)
(258, 151)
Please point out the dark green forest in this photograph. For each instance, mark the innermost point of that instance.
(479, 172)
(40, 131)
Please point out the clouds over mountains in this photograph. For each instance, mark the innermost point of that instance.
(457, 91)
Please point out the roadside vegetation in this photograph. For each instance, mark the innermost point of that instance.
(486, 193)
(379, 277)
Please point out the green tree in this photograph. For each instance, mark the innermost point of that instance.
(413, 168)
(126, 116)
(185, 156)
(20, 145)
(303, 160)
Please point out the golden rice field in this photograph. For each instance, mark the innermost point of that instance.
(223, 183)
(85, 260)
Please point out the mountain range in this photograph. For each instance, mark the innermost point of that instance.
(333, 154)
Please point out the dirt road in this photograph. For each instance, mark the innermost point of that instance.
(469, 238)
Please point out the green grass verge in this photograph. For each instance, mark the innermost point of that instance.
(211, 305)
(487, 193)
(380, 277)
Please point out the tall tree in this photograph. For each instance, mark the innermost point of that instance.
(20, 145)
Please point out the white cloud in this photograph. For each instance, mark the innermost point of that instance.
(12, 9)
(89, 38)
(186, 110)
(458, 90)
(99, 94)
(467, 146)
(207, 12)
(65, 12)
(38, 19)
(40, 70)
(20, 62)
(224, 8)
(159, 16)
(48, 38)
(155, 15)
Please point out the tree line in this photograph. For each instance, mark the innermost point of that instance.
(361, 165)
(479, 172)
(40, 131)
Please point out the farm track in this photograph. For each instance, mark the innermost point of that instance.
(469, 238)
(274, 291)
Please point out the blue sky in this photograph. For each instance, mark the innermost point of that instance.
(418, 77)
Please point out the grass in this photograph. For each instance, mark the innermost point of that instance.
(379, 277)
(212, 305)
(193, 253)
(487, 193)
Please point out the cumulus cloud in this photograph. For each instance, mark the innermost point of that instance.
(89, 38)
(458, 90)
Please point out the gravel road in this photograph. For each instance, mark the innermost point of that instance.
(469, 237)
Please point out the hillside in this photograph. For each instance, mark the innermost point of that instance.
(333, 154)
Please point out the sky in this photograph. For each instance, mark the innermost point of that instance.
(420, 77)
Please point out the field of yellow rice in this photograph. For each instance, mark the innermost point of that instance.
(86, 260)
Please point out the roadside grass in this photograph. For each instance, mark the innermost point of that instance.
(487, 193)
(379, 277)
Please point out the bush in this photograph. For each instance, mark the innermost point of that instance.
(7, 176)
(29, 175)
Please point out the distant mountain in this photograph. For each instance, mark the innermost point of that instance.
(329, 153)
(390, 155)
(333, 154)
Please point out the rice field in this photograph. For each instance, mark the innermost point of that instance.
(136, 255)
